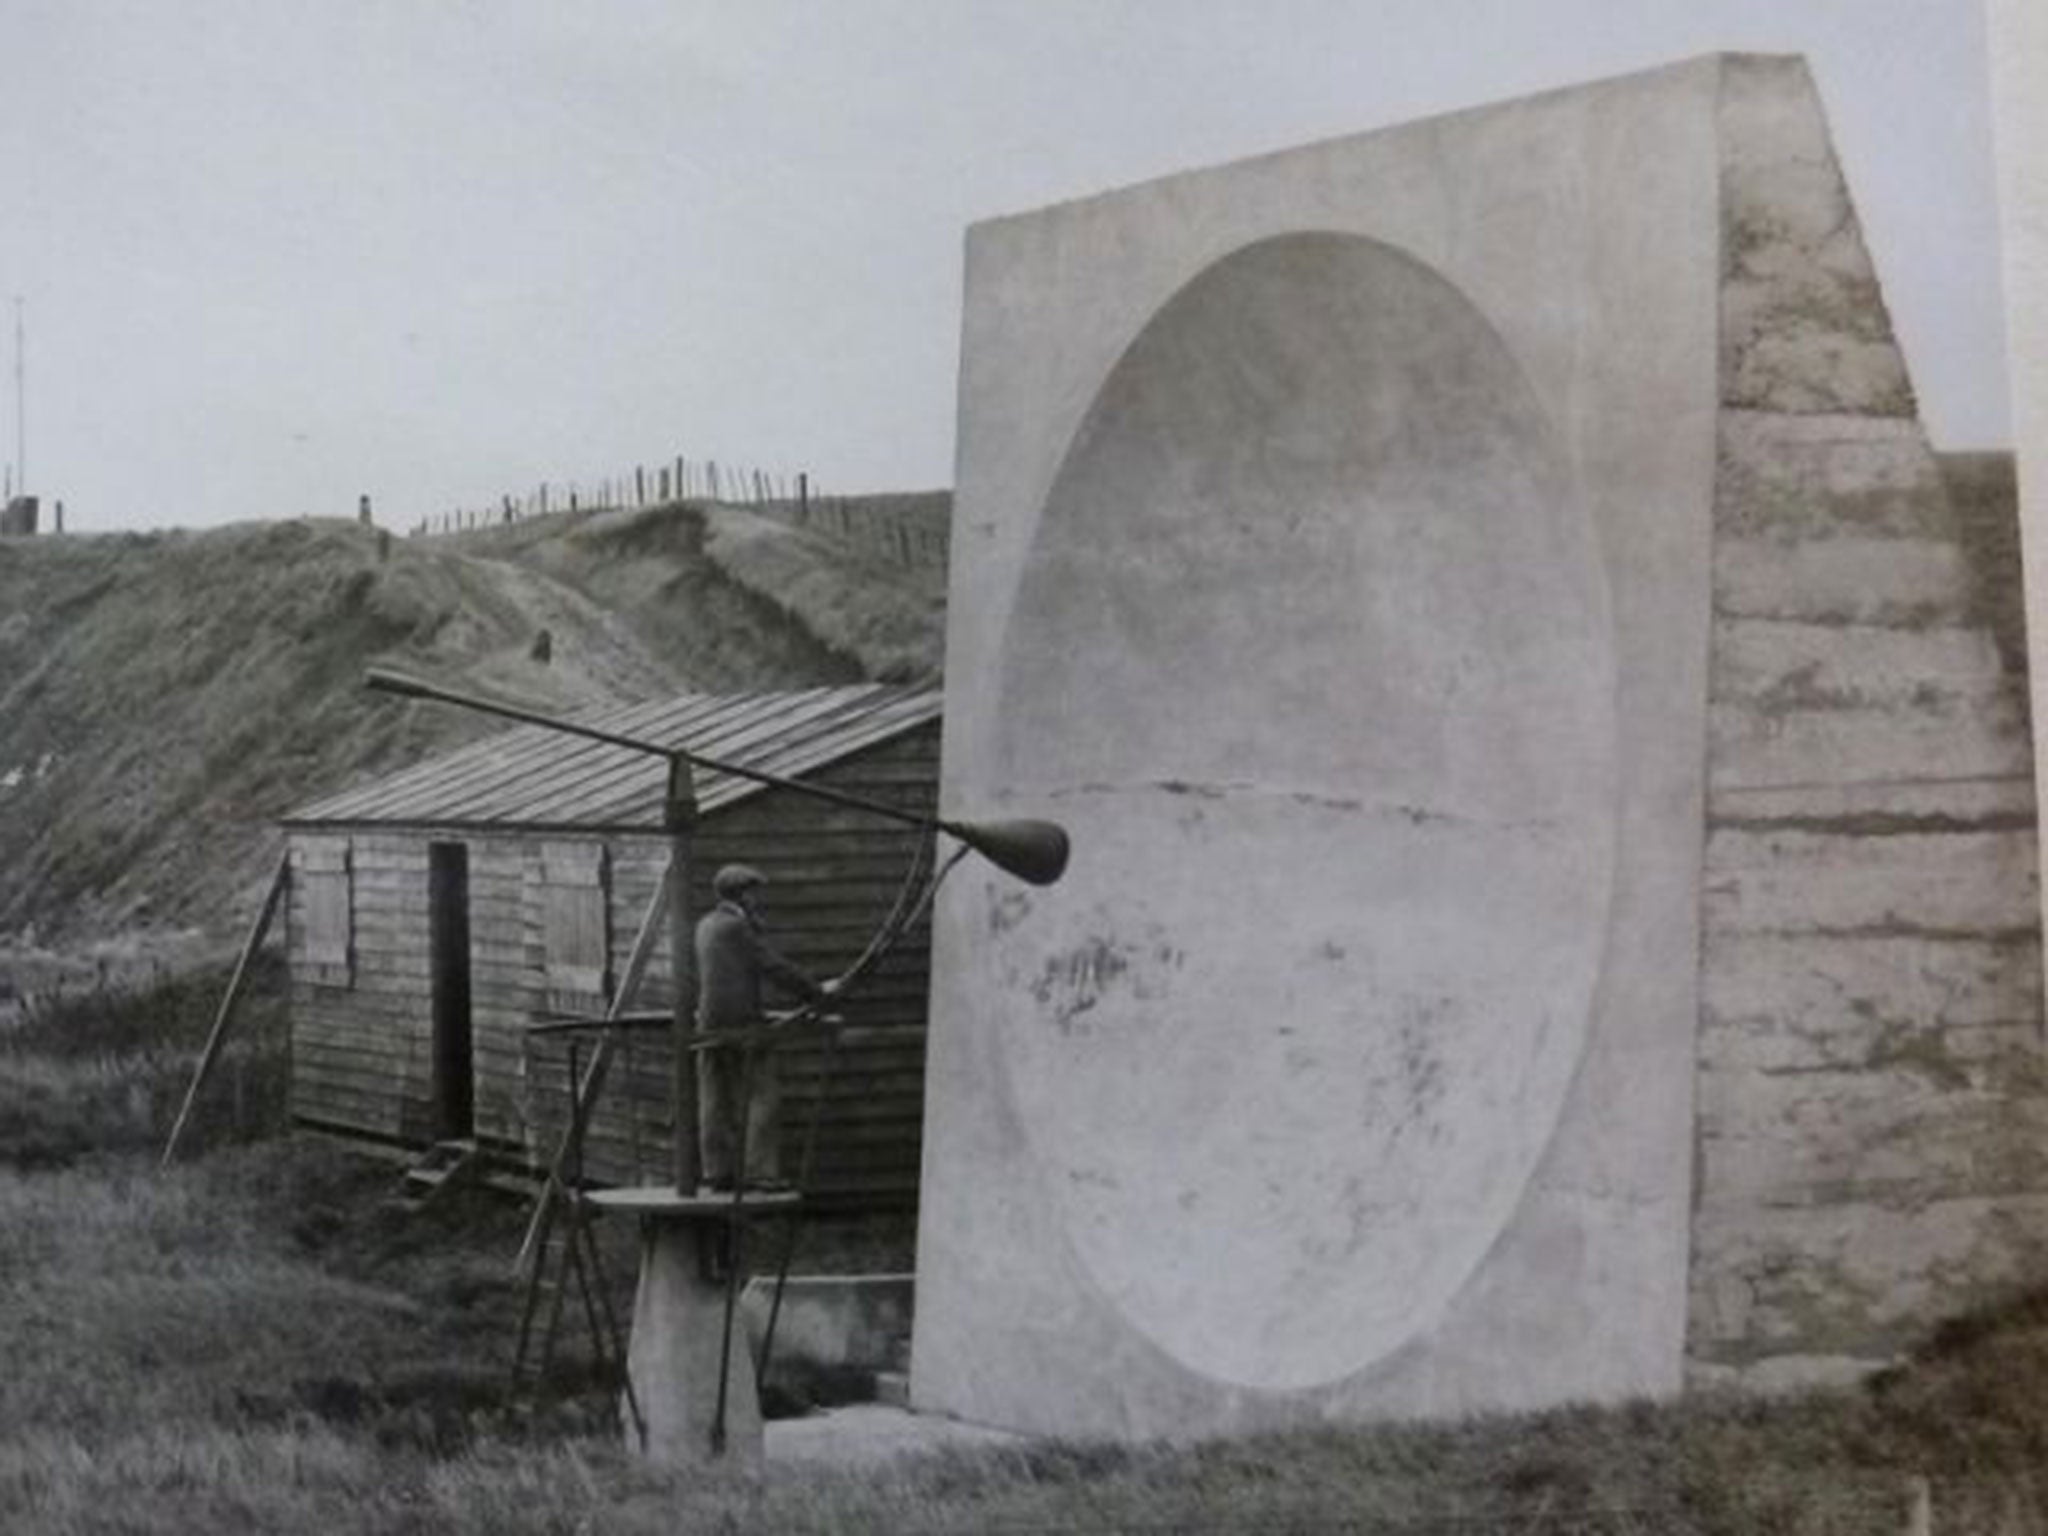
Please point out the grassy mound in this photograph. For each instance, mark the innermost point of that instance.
(164, 697)
(889, 618)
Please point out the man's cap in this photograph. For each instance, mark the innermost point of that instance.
(735, 878)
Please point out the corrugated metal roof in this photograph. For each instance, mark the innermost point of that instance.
(532, 777)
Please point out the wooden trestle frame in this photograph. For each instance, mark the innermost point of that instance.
(562, 1191)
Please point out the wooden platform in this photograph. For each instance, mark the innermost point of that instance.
(665, 1200)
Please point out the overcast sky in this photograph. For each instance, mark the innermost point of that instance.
(275, 253)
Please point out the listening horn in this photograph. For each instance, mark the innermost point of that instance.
(1033, 851)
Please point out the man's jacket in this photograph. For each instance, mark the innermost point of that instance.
(732, 957)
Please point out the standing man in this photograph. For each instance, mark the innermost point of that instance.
(732, 959)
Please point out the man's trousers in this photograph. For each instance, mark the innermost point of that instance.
(722, 1105)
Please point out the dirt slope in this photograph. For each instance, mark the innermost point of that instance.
(163, 697)
(738, 599)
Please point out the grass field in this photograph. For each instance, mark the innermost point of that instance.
(256, 1341)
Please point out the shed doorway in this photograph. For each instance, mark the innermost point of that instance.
(448, 939)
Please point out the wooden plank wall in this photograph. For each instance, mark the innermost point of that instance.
(359, 1033)
(363, 1047)
(363, 1051)
(834, 873)
(507, 977)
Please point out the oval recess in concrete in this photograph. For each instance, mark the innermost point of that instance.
(1311, 653)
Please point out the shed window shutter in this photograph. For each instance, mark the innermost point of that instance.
(575, 881)
(326, 909)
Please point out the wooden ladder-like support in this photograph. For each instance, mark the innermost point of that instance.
(560, 1254)
(568, 1264)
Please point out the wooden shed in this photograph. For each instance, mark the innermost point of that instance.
(437, 917)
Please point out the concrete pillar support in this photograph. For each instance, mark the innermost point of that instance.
(680, 1323)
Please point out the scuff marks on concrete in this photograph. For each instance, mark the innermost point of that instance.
(1800, 689)
(1405, 1093)
(1072, 984)
(1006, 910)
(1225, 789)
(1204, 791)
(1417, 816)
(1336, 803)
(1419, 1068)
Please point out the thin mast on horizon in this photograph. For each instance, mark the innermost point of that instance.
(20, 403)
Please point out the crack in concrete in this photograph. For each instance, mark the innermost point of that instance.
(1414, 815)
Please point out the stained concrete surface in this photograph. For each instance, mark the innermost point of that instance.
(1872, 1099)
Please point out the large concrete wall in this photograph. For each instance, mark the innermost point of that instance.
(1331, 554)
(1482, 600)
(1873, 1130)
